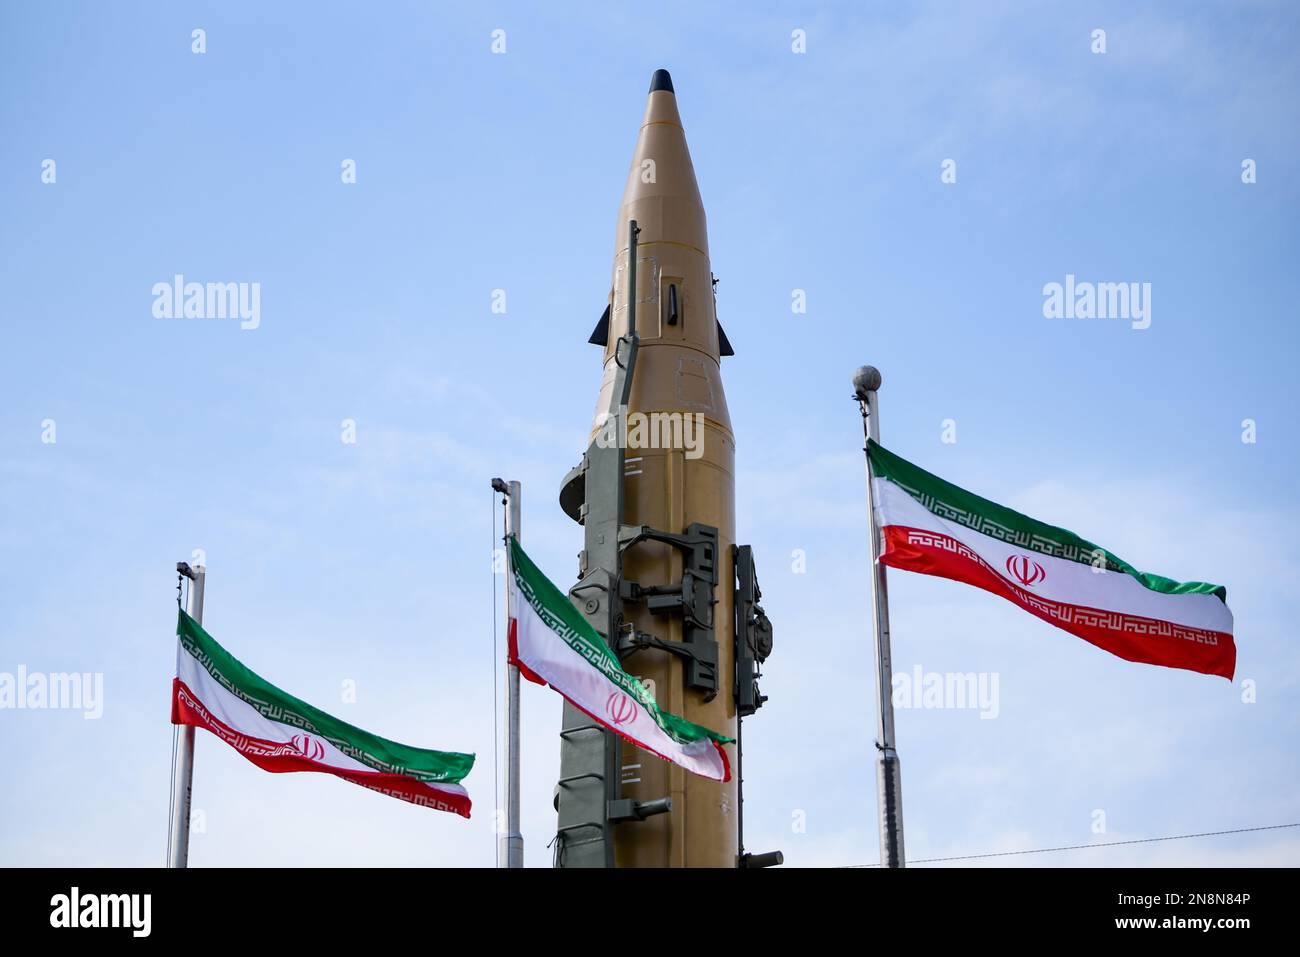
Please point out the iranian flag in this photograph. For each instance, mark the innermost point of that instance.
(553, 644)
(277, 732)
(933, 527)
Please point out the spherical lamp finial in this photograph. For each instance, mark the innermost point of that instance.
(866, 379)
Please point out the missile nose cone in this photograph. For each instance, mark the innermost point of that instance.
(661, 192)
(674, 281)
(661, 80)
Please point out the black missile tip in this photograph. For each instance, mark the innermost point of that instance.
(661, 81)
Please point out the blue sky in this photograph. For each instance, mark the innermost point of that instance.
(820, 171)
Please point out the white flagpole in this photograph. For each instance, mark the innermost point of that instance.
(178, 835)
(889, 779)
(511, 847)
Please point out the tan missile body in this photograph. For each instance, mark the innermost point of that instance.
(677, 379)
(678, 371)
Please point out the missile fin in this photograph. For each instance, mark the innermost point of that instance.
(724, 344)
(600, 335)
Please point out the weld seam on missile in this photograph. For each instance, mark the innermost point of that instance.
(663, 242)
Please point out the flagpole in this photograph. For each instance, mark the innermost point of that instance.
(889, 779)
(510, 850)
(178, 834)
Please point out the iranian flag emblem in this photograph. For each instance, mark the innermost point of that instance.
(553, 644)
(933, 527)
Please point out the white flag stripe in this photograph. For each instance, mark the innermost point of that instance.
(237, 714)
(1064, 581)
(555, 661)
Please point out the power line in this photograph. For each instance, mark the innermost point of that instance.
(1084, 847)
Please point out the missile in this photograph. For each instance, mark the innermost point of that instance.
(655, 493)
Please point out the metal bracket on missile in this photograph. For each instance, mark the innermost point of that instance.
(753, 632)
(701, 658)
(692, 597)
(626, 809)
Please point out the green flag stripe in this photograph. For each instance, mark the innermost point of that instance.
(997, 521)
(370, 749)
(554, 608)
